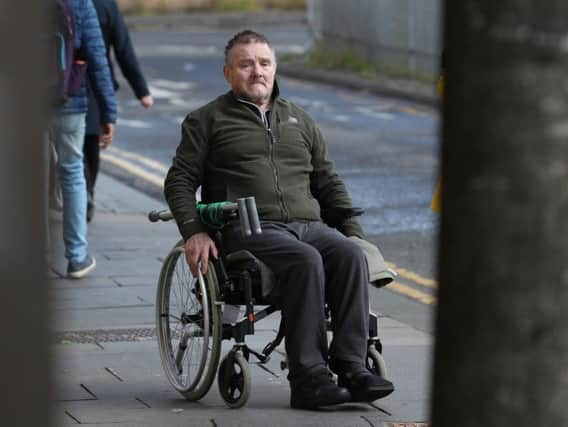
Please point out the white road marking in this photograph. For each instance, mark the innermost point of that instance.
(139, 124)
(375, 114)
(188, 105)
(309, 103)
(173, 85)
(183, 50)
(341, 118)
(174, 92)
(162, 93)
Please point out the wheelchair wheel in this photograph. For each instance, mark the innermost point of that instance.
(234, 380)
(188, 325)
(376, 363)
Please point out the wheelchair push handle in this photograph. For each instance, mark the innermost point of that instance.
(248, 217)
(246, 230)
(155, 216)
(334, 217)
(252, 214)
(215, 215)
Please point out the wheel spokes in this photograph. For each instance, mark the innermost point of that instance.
(187, 325)
(236, 383)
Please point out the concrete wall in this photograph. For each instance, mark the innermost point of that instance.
(401, 35)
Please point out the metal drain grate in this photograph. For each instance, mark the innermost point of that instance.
(407, 424)
(105, 335)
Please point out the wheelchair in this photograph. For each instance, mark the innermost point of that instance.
(190, 321)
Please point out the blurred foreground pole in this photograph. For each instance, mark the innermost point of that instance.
(24, 358)
(501, 355)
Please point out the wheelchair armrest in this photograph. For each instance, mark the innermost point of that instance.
(334, 217)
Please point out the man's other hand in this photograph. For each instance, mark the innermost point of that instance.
(197, 249)
(106, 133)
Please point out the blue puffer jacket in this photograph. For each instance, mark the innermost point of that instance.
(90, 45)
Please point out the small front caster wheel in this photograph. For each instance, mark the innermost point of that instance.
(376, 363)
(234, 380)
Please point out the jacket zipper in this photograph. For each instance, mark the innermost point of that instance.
(272, 141)
(276, 177)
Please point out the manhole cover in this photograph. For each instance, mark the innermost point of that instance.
(407, 425)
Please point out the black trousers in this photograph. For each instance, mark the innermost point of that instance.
(91, 160)
(314, 264)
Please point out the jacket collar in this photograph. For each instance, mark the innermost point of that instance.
(274, 97)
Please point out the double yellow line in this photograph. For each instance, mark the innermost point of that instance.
(130, 162)
(409, 291)
(124, 160)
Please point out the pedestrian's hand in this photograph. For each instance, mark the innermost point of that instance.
(147, 101)
(106, 133)
(197, 249)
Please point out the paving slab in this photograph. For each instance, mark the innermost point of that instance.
(93, 298)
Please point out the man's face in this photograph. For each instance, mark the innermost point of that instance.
(250, 71)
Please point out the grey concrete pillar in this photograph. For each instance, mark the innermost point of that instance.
(23, 292)
(502, 327)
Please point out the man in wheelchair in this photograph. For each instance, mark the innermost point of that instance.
(252, 142)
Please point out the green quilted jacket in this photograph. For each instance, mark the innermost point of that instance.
(228, 150)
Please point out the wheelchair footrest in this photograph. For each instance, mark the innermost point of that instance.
(262, 358)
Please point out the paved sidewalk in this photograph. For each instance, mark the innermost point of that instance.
(106, 363)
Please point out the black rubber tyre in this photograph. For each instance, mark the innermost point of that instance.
(234, 380)
(188, 325)
(376, 363)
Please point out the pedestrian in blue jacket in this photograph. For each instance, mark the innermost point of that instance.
(66, 132)
(116, 38)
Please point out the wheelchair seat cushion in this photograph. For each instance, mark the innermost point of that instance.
(267, 277)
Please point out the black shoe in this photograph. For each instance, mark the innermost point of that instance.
(90, 208)
(363, 385)
(318, 391)
(77, 270)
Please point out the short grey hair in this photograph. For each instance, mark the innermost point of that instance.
(246, 37)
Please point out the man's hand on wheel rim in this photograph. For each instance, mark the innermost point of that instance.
(197, 250)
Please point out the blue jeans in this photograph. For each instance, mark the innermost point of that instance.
(66, 133)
